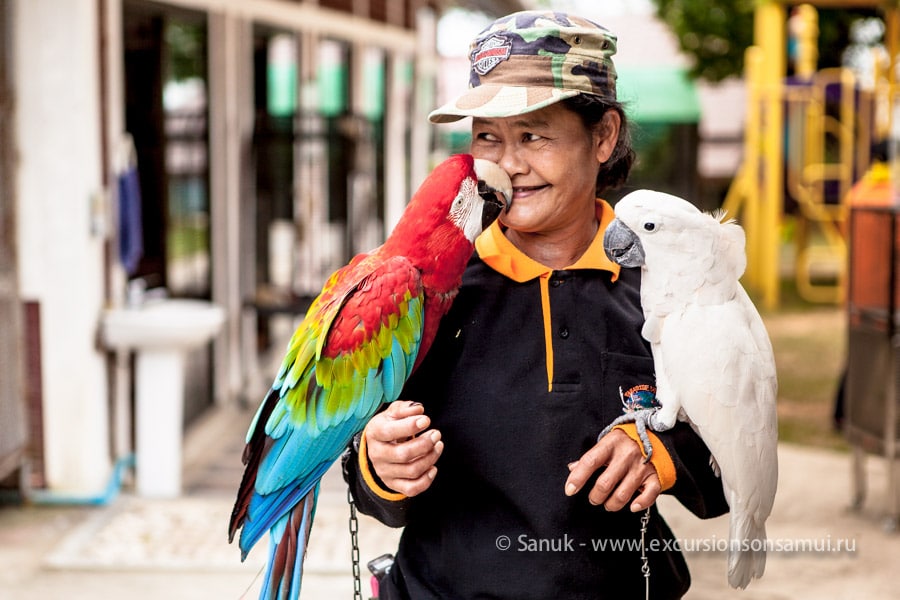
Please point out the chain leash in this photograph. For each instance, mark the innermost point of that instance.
(645, 567)
(354, 552)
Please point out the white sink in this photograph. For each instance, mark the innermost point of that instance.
(165, 324)
(160, 333)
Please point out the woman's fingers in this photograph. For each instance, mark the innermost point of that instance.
(401, 449)
(624, 473)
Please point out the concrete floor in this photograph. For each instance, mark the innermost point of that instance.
(177, 549)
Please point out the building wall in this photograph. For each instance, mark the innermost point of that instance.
(64, 223)
(60, 257)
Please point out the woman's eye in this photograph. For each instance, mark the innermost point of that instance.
(487, 137)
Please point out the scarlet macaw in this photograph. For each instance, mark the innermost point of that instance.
(361, 338)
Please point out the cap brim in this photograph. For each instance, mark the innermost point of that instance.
(497, 101)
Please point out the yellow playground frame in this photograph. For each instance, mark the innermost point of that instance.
(756, 194)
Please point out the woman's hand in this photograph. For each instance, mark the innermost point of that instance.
(401, 449)
(625, 474)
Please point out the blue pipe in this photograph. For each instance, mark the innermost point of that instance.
(50, 497)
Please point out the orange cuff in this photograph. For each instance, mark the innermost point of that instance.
(369, 477)
(661, 460)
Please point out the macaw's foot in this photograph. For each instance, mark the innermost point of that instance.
(642, 419)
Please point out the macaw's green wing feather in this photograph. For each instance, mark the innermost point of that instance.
(342, 353)
(352, 353)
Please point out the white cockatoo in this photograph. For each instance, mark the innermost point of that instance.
(713, 358)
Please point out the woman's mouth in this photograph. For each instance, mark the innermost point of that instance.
(523, 191)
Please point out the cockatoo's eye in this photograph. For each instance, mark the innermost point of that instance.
(649, 226)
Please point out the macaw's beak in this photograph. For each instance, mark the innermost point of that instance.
(622, 245)
(495, 188)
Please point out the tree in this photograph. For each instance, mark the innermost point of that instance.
(715, 33)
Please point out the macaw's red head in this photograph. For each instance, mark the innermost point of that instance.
(459, 199)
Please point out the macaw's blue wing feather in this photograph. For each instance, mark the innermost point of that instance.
(395, 369)
(351, 354)
(273, 507)
(287, 549)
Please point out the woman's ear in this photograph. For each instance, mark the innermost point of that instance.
(606, 135)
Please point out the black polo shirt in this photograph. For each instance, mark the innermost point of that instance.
(521, 378)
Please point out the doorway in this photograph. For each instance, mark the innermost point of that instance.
(167, 115)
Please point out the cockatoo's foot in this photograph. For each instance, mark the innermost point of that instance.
(642, 419)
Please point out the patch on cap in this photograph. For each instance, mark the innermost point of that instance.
(490, 53)
(527, 60)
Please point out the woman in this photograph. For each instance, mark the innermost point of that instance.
(492, 463)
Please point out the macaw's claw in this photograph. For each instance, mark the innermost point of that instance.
(642, 419)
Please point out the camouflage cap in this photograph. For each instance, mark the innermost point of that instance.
(531, 59)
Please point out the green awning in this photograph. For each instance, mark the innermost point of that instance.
(658, 95)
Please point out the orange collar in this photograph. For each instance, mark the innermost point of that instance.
(502, 256)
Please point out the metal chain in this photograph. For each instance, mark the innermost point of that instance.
(645, 567)
(354, 552)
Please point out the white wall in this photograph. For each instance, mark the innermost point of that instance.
(60, 261)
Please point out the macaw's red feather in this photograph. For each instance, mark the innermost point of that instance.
(436, 306)
(425, 235)
(379, 302)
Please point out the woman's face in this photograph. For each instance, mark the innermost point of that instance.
(552, 160)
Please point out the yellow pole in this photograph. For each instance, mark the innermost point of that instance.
(753, 59)
(769, 33)
(806, 22)
(892, 38)
(812, 134)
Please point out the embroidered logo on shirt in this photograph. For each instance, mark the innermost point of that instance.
(639, 397)
(490, 53)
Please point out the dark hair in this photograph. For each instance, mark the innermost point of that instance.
(614, 172)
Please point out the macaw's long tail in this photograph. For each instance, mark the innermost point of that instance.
(747, 549)
(287, 550)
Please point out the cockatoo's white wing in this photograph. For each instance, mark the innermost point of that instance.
(718, 360)
(721, 357)
(712, 354)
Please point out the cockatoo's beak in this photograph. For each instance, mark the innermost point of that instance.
(622, 246)
(495, 188)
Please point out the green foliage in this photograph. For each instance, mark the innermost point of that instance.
(186, 45)
(714, 33)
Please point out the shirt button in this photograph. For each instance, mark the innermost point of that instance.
(556, 282)
(563, 332)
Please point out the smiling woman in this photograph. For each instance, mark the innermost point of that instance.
(553, 161)
(497, 445)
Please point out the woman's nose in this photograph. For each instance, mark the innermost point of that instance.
(511, 160)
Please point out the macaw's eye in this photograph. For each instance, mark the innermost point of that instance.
(649, 226)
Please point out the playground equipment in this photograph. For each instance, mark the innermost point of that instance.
(809, 138)
(794, 143)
